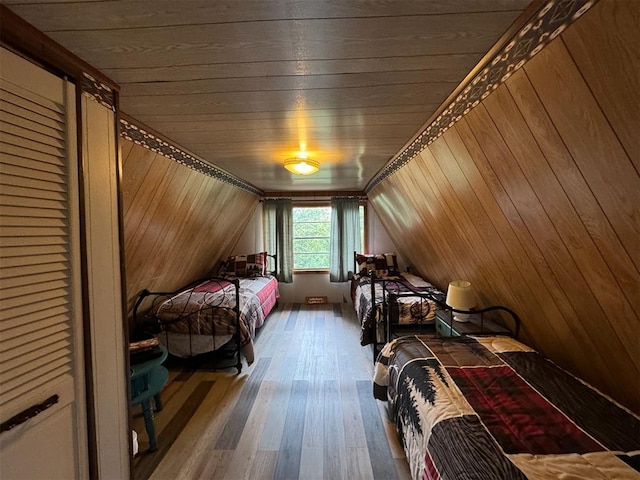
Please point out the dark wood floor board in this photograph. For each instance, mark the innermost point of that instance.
(318, 347)
(271, 435)
(395, 445)
(402, 468)
(263, 465)
(233, 429)
(334, 465)
(191, 451)
(305, 358)
(354, 432)
(213, 465)
(314, 419)
(379, 451)
(150, 461)
(288, 462)
(249, 442)
(293, 316)
(359, 463)
(173, 398)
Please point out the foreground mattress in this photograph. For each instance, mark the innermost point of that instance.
(492, 408)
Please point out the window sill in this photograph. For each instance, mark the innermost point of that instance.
(304, 272)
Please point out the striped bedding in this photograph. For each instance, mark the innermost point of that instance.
(199, 320)
(492, 408)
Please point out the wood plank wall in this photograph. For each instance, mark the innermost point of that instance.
(178, 223)
(534, 195)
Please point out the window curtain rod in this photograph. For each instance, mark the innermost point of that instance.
(323, 199)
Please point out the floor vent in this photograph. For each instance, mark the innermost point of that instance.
(315, 300)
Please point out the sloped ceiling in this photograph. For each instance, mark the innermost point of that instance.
(533, 196)
(245, 84)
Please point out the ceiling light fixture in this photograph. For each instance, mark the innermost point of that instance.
(301, 165)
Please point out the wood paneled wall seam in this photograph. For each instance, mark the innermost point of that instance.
(178, 223)
(533, 196)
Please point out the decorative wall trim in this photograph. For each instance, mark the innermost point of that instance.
(98, 91)
(139, 136)
(544, 26)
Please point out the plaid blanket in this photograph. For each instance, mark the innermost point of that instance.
(492, 408)
(207, 309)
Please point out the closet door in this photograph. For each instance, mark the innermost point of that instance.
(42, 395)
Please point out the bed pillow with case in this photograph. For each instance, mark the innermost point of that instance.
(384, 264)
(246, 265)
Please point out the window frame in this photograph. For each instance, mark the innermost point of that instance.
(327, 203)
(309, 205)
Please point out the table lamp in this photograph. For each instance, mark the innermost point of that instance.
(460, 296)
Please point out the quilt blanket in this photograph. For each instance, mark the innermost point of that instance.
(492, 408)
(408, 309)
(206, 309)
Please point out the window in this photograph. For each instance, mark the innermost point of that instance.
(311, 231)
(311, 237)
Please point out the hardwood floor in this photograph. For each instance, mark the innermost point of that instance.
(303, 410)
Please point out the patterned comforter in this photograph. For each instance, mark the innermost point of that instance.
(206, 310)
(492, 408)
(408, 310)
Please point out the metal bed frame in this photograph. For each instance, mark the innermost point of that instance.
(154, 323)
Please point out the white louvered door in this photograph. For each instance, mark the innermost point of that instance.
(41, 368)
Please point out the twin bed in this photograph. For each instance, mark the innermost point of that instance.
(483, 406)
(388, 301)
(491, 408)
(215, 313)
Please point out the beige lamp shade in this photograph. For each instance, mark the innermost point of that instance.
(460, 295)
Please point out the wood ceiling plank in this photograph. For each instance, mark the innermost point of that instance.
(293, 101)
(288, 40)
(456, 64)
(335, 134)
(426, 79)
(328, 113)
(393, 120)
(99, 15)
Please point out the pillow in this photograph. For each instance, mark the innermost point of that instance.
(384, 264)
(252, 265)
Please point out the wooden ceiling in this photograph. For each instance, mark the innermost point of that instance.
(245, 84)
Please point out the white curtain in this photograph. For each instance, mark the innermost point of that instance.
(345, 237)
(278, 231)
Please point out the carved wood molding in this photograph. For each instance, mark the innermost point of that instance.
(550, 20)
(147, 139)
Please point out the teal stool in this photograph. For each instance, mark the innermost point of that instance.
(147, 380)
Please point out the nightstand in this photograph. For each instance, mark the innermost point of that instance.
(447, 327)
